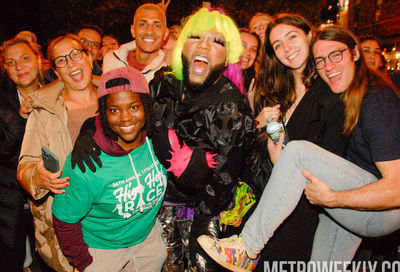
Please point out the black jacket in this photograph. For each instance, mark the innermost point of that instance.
(215, 120)
(12, 196)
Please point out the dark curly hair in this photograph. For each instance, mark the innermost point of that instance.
(147, 102)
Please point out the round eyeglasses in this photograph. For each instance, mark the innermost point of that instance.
(334, 56)
(61, 61)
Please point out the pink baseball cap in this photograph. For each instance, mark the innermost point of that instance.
(137, 82)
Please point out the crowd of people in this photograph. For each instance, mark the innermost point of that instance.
(164, 161)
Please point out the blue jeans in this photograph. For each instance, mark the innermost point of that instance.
(336, 237)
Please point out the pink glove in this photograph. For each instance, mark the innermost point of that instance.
(181, 155)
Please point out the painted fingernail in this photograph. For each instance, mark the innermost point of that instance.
(68, 179)
(67, 185)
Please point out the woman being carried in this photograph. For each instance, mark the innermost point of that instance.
(288, 88)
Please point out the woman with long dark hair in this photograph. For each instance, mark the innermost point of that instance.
(251, 44)
(288, 88)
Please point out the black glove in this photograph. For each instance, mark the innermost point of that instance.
(161, 144)
(85, 148)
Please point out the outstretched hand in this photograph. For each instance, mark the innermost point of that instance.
(48, 180)
(318, 192)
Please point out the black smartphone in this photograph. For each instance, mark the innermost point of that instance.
(50, 161)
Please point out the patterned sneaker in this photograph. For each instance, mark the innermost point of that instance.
(229, 252)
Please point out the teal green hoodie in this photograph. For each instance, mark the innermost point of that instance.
(118, 204)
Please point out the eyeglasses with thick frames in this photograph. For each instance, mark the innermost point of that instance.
(334, 56)
(86, 43)
(61, 61)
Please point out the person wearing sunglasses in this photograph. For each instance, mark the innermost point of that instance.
(59, 110)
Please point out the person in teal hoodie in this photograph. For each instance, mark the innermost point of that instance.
(107, 220)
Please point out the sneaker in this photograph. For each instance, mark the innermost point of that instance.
(229, 252)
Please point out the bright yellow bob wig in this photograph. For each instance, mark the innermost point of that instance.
(202, 21)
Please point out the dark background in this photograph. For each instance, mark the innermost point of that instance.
(46, 18)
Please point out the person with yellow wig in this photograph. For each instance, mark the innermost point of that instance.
(201, 100)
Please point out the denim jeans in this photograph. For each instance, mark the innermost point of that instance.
(336, 237)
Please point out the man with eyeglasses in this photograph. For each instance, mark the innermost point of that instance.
(149, 29)
(90, 37)
(335, 56)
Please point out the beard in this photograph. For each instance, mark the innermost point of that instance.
(211, 78)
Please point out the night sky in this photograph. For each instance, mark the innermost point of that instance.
(47, 18)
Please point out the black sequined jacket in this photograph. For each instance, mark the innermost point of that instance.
(215, 120)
